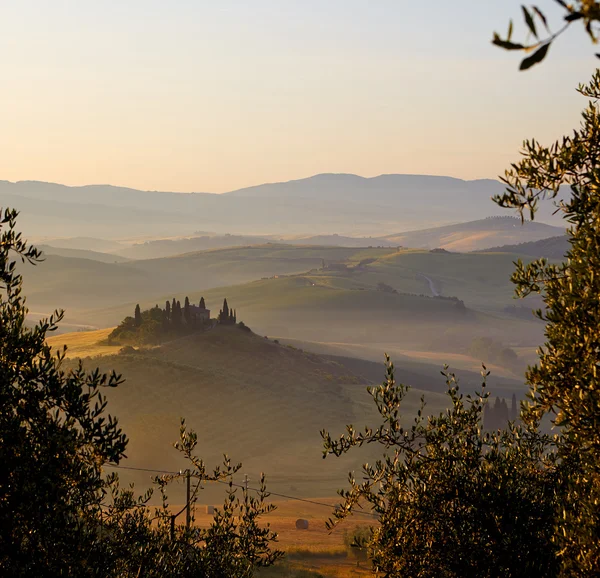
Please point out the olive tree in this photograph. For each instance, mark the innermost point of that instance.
(145, 541)
(565, 383)
(54, 437)
(452, 500)
(60, 515)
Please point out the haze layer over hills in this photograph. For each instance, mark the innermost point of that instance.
(259, 400)
(346, 204)
(334, 270)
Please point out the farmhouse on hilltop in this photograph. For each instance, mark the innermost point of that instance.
(199, 312)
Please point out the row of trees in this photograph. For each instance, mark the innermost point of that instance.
(496, 416)
(227, 316)
(155, 325)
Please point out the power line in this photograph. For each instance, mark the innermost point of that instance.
(297, 499)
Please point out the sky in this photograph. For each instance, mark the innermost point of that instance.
(214, 95)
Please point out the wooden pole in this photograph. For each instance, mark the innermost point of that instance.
(188, 512)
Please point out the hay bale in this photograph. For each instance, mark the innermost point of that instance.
(210, 509)
(127, 350)
(301, 524)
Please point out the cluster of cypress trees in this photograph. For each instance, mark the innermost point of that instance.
(227, 316)
(497, 416)
(176, 315)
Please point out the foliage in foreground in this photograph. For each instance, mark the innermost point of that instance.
(566, 382)
(144, 542)
(541, 35)
(59, 514)
(452, 500)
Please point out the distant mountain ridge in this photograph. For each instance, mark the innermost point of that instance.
(322, 204)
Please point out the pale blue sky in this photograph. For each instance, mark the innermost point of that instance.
(214, 95)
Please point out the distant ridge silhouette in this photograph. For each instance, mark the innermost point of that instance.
(346, 204)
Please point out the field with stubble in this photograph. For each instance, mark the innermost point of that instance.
(313, 552)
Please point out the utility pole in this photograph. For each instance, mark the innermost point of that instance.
(246, 482)
(188, 512)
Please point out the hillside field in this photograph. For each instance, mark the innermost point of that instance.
(262, 402)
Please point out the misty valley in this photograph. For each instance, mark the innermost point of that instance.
(300, 289)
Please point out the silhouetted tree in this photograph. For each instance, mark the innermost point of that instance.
(186, 310)
(202, 304)
(564, 384)
(176, 313)
(224, 313)
(54, 439)
(138, 316)
(168, 310)
(450, 500)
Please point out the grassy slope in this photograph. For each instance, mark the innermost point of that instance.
(345, 307)
(262, 402)
(84, 343)
(83, 254)
(476, 235)
(80, 284)
(553, 248)
(481, 280)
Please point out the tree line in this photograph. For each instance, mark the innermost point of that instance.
(154, 325)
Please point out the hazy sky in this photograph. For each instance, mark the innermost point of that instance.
(213, 95)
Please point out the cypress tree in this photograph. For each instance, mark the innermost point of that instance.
(186, 310)
(138, 316)
(224, 313)
(176, 313)
(167, 310)
(504, 417)
(202, 304)
(513, 408)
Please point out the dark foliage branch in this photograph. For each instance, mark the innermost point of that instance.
(540, 33)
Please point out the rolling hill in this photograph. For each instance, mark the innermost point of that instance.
(553, 248)
(339, 308)
(82, 254)
(262, 402)
(477, 235)
(410, 298)
(322, 204)
(80, 284)
(177, 246)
